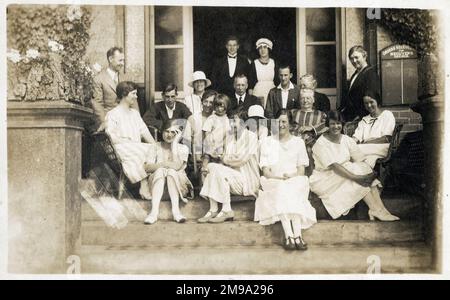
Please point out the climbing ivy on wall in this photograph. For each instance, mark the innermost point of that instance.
(413, 27)
(46, 52)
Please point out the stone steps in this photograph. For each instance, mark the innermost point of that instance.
(407, 207)
(348, 259)
(246, 233)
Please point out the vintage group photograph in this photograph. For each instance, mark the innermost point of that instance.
(207, 139)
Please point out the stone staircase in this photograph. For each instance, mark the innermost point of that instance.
(245, 247)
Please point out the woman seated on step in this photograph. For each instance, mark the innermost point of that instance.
(285, 188)
(341, 178)
(166, 164)
(374, 131)
(234, 171)
(126, 129)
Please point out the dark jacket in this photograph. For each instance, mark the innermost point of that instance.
(353, 105)
(321, 102)
(220, 76)
(157, 114)
(274, 101)
(249, 100)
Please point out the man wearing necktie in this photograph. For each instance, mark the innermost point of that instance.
(226, 68)
(104, 98)
(241, 100)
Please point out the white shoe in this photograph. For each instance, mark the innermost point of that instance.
(179, 218)
(150, 219)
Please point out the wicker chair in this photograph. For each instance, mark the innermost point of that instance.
(112, 159)
(383, 165)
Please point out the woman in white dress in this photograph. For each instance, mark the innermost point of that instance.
(237, 173)
(374, 131)
(341, 178)
(199, 83)
(285, 188)
(126, 129)
(262, 75)
(167, 163)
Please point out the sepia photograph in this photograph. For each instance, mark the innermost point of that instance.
(222, 138)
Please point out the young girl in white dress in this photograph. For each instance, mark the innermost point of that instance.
(285, 188)
(341, 178)
(374, 131)
(167, 163)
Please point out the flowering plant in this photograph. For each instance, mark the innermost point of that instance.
(46, 55)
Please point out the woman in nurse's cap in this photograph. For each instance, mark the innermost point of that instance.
(262, 75)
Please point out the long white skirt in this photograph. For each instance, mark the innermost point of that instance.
(289, 197)
(261, 90)
(221, 182)
(133, 156)
(339, 194)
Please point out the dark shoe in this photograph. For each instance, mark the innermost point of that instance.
(179, 218)
(289, 244)
(223, 216)
(300, 243)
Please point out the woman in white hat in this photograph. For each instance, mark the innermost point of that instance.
(199, 83)
(256, 122)
(262, 71)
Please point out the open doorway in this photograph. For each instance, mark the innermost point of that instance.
(213, 24)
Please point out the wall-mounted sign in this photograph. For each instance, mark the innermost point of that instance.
(398, 75)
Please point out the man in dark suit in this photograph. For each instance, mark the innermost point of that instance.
(285, 96)
(241, 100)
(227, 67)
(169, 109)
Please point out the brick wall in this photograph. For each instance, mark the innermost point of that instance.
(411, 120)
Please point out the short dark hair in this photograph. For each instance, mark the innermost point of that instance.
(336, 116)
(169, 123)
(124, 88)
(231, 38)
(284, 112)
(208, 93)
(374, 94)
(111, 52)
(170, 87)
(285, 66)
(239, 76)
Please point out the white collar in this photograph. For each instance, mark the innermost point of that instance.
(237, 96)
(369, 119)
(111, 73)
(231, 56)
(172, 109)
(291, 86)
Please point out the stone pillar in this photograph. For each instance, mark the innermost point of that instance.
(432, 111)
(44, 168)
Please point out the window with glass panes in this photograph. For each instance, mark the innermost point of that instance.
(318, 36)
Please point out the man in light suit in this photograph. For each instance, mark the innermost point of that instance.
(226, 68)
(285, 96)
(105, 98)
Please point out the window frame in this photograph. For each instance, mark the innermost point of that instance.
(302, 44)
(150, 47)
